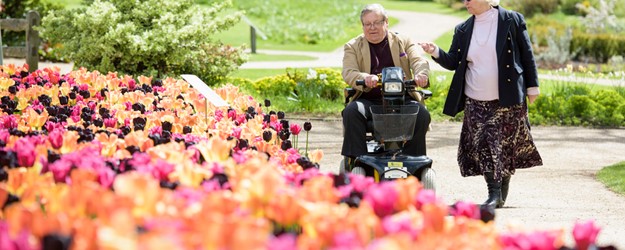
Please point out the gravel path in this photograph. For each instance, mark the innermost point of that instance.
(552, 196)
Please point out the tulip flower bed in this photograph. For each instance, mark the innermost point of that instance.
(101, 161)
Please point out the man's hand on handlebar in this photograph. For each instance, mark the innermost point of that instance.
(421, 80)
(371, 81)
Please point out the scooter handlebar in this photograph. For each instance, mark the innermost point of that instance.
(410, 82)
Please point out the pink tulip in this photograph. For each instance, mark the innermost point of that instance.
(219, 114)
(92, 105)
(60, 169)
(466, 209)
(399, 223)
(346, 241)
(132, 84)
(162, 169)
(360, 183)
(236, 132)
(585, 234)
(50, 126)
(106, 176)
(4, 135)
(21, 240)
(382, 198)
(37, 106)
(295, 129)
(156, 130)
(232, 114)
(8, 122)
(26, 154)
(83, 87)
(538, 240)
(56, 138)
(426, 196)
(282, 242)
(110, 122)
(240, 119)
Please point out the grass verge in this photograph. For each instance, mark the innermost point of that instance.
(613, 177)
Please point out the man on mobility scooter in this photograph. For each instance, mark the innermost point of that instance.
(378, 52)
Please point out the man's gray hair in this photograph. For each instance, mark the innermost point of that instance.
(493, 2)
(374, 7)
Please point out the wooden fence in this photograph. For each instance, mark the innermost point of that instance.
(31, 50)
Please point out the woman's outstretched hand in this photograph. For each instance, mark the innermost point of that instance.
(429, 48)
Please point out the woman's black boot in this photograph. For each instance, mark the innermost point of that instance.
(494, 191)
(505, 184)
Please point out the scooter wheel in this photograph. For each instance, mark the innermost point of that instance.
(359, 171)
(344, 165)
(428, 179)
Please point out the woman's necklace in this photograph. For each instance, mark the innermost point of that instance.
(490, 30)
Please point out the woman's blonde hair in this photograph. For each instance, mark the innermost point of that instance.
(493, 2)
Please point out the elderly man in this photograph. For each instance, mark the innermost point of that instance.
(365, 57)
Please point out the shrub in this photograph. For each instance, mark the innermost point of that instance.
(558, 50)
(149, 37)
(598, 47)
(274, 85)
(330, 81)
(531, 7)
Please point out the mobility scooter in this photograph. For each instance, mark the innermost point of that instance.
(391, 126)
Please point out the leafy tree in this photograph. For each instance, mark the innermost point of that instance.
(149, 37)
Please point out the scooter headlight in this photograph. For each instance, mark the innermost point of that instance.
(393, 87)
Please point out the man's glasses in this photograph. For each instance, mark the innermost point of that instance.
(377, 24)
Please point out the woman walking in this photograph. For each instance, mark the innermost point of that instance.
(495, 76)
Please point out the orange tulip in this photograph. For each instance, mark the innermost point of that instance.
(284, 208)
(407, 190)
(141, 188)
(215, 149)
(319, 189)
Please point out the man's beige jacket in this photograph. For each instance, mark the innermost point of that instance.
(357, 61)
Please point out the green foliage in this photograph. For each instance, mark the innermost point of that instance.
(598, 47)
(531, 7)
(329, 81)
(274, 85)
(317, 85)
(579, 105)
(540, 26)
(149, 37)
(307, 95)
(308, 22)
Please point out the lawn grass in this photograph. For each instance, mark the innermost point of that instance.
(259, 57)
(613, 177)
(71, 3)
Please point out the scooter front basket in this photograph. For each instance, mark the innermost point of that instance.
(394, 123)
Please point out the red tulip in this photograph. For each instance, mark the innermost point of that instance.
(295, 129)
